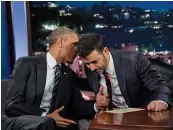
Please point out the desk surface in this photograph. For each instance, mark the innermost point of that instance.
(139, 120)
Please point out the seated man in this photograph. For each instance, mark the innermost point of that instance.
(127, 76)
(42, 93)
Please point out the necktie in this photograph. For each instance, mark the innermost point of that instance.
(109, 89)
(54, 92)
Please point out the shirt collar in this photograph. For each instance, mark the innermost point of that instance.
(50, 60)
(110, 70)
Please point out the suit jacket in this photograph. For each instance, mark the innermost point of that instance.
(26, 87)
(138, 81)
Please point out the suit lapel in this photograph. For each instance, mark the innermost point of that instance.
(41, 77)
(62, 87)
(120, 73)
(65, 74)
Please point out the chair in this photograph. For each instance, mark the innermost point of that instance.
(4, 86)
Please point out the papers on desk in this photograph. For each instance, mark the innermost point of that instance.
(124, 110)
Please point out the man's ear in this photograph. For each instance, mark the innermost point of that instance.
(59, 42)
(106, 50)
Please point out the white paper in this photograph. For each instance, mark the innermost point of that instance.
(124, 110)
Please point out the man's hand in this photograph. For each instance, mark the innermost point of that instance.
(60, 121)
(102, 101)
(157, 105)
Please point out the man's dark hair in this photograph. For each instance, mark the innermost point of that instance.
(88, 43)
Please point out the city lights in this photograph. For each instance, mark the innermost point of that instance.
(156, 27)
(81, 28)
(170, 26)
(147, 30)
(117, 26)
(51, 5)
(98, 16)
(131, 30)
(49, 27)
(147, 10)
(100, 26)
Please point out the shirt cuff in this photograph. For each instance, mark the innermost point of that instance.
(95, 108)
(44, 114)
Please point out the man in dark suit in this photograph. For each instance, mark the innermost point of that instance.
(132, 80)
(126, 76)
(42, 93)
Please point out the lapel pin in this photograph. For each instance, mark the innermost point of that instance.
(65, 73)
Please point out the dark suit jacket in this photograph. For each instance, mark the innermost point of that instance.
(138, 81)
(26, 87)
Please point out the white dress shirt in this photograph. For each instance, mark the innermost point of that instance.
(117, 97)
(48, 90)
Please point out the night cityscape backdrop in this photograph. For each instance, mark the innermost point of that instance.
(140, 26)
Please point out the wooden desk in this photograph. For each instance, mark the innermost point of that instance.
(140, 120)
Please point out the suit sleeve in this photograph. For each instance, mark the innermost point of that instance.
(82, 108)
(15, 103)
(171, 84)
(153, 80)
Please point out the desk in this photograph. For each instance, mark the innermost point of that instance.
(140, 120)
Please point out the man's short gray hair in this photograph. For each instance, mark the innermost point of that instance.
(59, 32)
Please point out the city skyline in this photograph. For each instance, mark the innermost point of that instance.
(120, 26)
(123, 25)
(155, 5)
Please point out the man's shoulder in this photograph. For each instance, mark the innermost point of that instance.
(29, 59)
(125, 53)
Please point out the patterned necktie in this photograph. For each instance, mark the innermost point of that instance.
(54, 92)
(109, 89)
